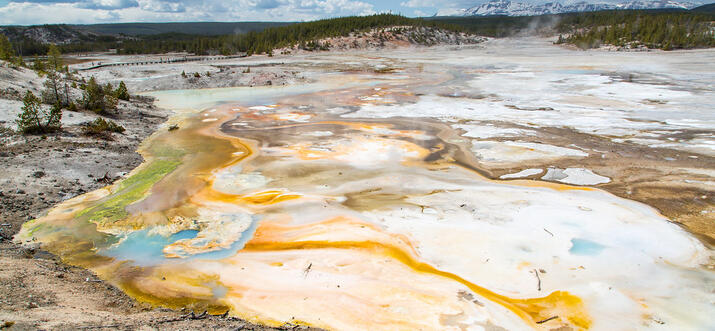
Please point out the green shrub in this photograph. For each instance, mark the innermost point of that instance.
(38, 65)
(98, 99)
(101, 126)
(110, 101)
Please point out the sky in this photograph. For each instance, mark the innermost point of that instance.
(30, 12)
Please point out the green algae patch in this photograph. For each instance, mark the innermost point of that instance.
(30, 227)
(129, 191)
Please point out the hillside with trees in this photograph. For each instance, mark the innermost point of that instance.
(272, 38)
(665, 29)
(252, 42)
(709, 8)
(633, 29)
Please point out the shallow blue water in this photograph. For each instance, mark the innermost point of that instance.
(143, 249)
(585, 247)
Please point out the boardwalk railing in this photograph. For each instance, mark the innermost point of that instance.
(162, 60)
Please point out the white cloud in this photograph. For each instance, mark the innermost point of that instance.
(161, 6)
(445, 4)
(419, 3)
(34, 13)
(102, 11)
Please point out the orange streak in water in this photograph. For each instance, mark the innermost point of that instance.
(272, 237)
(260, 198)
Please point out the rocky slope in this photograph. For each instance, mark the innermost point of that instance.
(392, 37)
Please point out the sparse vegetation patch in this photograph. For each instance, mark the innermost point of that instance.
(638, 29)
(102, 126)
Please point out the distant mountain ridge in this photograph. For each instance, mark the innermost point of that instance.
(513, 8)
(709, 8)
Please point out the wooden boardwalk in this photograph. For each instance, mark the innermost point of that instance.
(160, 61)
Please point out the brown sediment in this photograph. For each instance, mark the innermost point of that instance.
(637, 172)
(147, 285)
(373, 199)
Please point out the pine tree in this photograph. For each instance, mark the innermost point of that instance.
(122, 93)
(108, 89)
(51, 94)
(29, 120)
(92, 97)
(54, 59)
(54, 83)
(6, 51)
(67, 78)
(110, 102)
(34, 119)
(55, 117)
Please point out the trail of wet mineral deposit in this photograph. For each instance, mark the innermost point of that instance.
(291, 205)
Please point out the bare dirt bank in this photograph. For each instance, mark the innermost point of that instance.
(37, 290)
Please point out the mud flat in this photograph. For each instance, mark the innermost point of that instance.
(372, 198)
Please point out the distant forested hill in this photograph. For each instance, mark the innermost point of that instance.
(704, 9)
(274, 37)
(192, 28)
(664, 29)
(33, 40)
(631, 29)
(199, 38)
